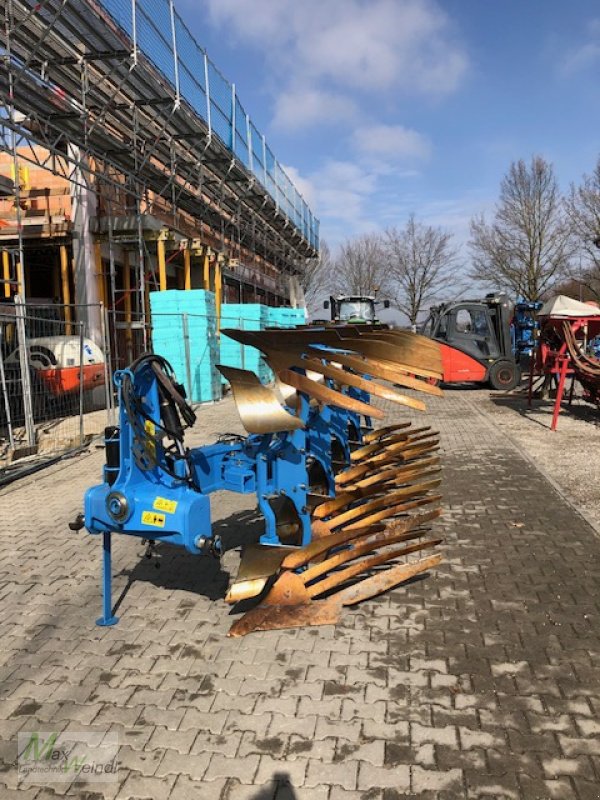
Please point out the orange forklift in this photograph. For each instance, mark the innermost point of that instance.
(476, 341)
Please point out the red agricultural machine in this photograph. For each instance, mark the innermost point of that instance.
(569, 333)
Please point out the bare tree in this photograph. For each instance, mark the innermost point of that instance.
(360, 267)
(528, 247)
(317, 278)
(420, 259)
(583, 210)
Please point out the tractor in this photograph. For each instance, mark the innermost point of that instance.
(354, 309)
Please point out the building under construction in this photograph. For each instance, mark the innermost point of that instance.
(128, 164)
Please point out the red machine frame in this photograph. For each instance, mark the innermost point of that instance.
(554, 356)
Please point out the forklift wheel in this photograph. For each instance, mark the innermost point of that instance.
(505, 375)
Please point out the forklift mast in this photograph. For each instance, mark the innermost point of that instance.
(500, 314)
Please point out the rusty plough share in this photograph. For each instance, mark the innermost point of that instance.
(360, 538)
(347, 508)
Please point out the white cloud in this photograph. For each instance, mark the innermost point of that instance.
(329, 47)
(335, 63)
(340, 193)
(586, 55)
(304, 107)
(581, 58)
(391, 141)
(304, 185)
(343, 189)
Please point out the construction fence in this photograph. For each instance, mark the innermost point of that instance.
(56, 388)
(54, 385)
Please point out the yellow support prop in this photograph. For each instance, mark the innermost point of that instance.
(162, 265)
(206, 273)
(187, 269)
(218, 292)
(66, 288)
(6, 272)
(99, 272)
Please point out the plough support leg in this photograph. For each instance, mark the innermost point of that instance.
(107, 617)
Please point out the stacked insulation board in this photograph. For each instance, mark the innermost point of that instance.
(243, 317)
(253, 317)
(285, 317)
(194, 357)
(184, 324)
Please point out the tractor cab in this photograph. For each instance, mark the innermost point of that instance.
(478, 341)
(354, 309)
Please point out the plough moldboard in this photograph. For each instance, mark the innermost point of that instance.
(347, 507)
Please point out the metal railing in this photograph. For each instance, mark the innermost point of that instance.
(158, 32)
(54, 385)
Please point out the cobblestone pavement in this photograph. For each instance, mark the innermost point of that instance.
(480, 680)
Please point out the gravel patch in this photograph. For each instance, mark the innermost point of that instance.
(570, 456)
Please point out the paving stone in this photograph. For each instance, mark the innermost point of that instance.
(109, 714)
(175, 763)
(347, 730)
(18, 794)
(181, 741)
(187, 789)
(321, 749)
(169, 718)
(282, 725)
(477, 738)
(203, 721)
(371, 777)
(293, 793)
(559, 789)
(293, 772)
(136, 738)
(142, 761)
(586, 790)
(575, 747)
(227, 745)
(271, 745)
(580, 767)
(143, 788)
(352, 709)
(495, 787)
(373, 752)
(399, 731)
(446, 735)
(426, 780)
(257, 723)
(244, 769)
(343, 774)
(588, 727)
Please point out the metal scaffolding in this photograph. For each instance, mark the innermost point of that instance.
(83, 98)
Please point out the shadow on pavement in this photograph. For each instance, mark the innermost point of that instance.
(171, 567)
(585, 412)
(279, 788)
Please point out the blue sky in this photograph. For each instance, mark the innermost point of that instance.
(380, 108)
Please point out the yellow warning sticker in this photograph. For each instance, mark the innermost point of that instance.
(154, 519)
(150, 429)
(163, 504)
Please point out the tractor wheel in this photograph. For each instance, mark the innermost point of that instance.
(505, 375)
